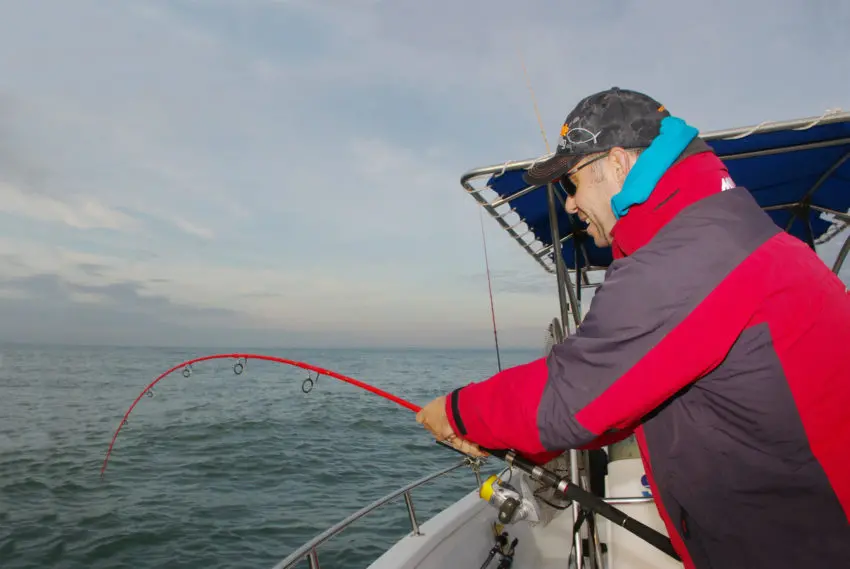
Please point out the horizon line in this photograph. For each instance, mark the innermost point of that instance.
(247, 348)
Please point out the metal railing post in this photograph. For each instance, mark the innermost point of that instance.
(562, 277)
(313, 559)
(411, 512)
(839, 260)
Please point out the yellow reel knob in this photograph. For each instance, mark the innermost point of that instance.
(486, 491)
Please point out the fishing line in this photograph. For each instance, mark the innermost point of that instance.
(490, 288)
(533, 100)
(577, 232)
(563, 485)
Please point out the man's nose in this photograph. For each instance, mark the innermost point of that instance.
(570, 205)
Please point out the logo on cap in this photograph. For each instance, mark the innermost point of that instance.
(576, 136)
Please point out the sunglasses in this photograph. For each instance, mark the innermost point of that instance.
(567, 184)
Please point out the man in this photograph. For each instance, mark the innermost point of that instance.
(717, 339)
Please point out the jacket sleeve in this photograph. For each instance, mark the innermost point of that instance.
(648, 334)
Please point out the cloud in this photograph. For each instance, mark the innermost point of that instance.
(221, 303)
(79, 212)
(44, 308)
(292, 167)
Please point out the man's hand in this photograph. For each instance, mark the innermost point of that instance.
(433, 417)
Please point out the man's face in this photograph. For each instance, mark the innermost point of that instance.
(591, 185)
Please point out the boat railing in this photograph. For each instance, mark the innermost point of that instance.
(310, 549)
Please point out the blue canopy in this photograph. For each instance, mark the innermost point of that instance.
(796, 170)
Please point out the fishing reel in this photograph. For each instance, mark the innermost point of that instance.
(525, 499)
(513, 507)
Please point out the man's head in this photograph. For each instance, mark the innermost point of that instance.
(592, 183)
(601, 140)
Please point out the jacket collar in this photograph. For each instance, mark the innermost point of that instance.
(698, 174)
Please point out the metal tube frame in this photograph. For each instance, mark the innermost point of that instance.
(565, 285)
(802, 209)
(842, 255)
(828, 117)
(563, 280)
(579, 460)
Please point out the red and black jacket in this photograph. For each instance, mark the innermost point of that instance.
(720, 341)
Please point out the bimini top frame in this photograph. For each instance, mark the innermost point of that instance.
(797, 170)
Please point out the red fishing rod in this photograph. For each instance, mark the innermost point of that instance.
(564, 486)
(238, 368)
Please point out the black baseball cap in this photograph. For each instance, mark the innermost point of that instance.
(615, 117)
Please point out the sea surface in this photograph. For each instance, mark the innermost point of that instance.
(216, 469)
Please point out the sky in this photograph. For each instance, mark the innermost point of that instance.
(286, 172)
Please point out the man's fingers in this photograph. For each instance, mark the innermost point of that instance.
(433, 417)
(466, 447)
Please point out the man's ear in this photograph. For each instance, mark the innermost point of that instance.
(622, 164)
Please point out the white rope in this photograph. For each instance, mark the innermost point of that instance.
(751, 131)
(834, 230)
(535, 161)
(826, 113)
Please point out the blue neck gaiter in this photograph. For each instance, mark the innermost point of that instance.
(673, 138)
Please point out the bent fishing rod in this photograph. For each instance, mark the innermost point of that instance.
(546, 477)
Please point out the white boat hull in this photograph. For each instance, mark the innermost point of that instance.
(462, 535)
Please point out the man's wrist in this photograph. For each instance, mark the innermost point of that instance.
(452, 406)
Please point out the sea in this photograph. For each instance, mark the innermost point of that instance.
(218, 469)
